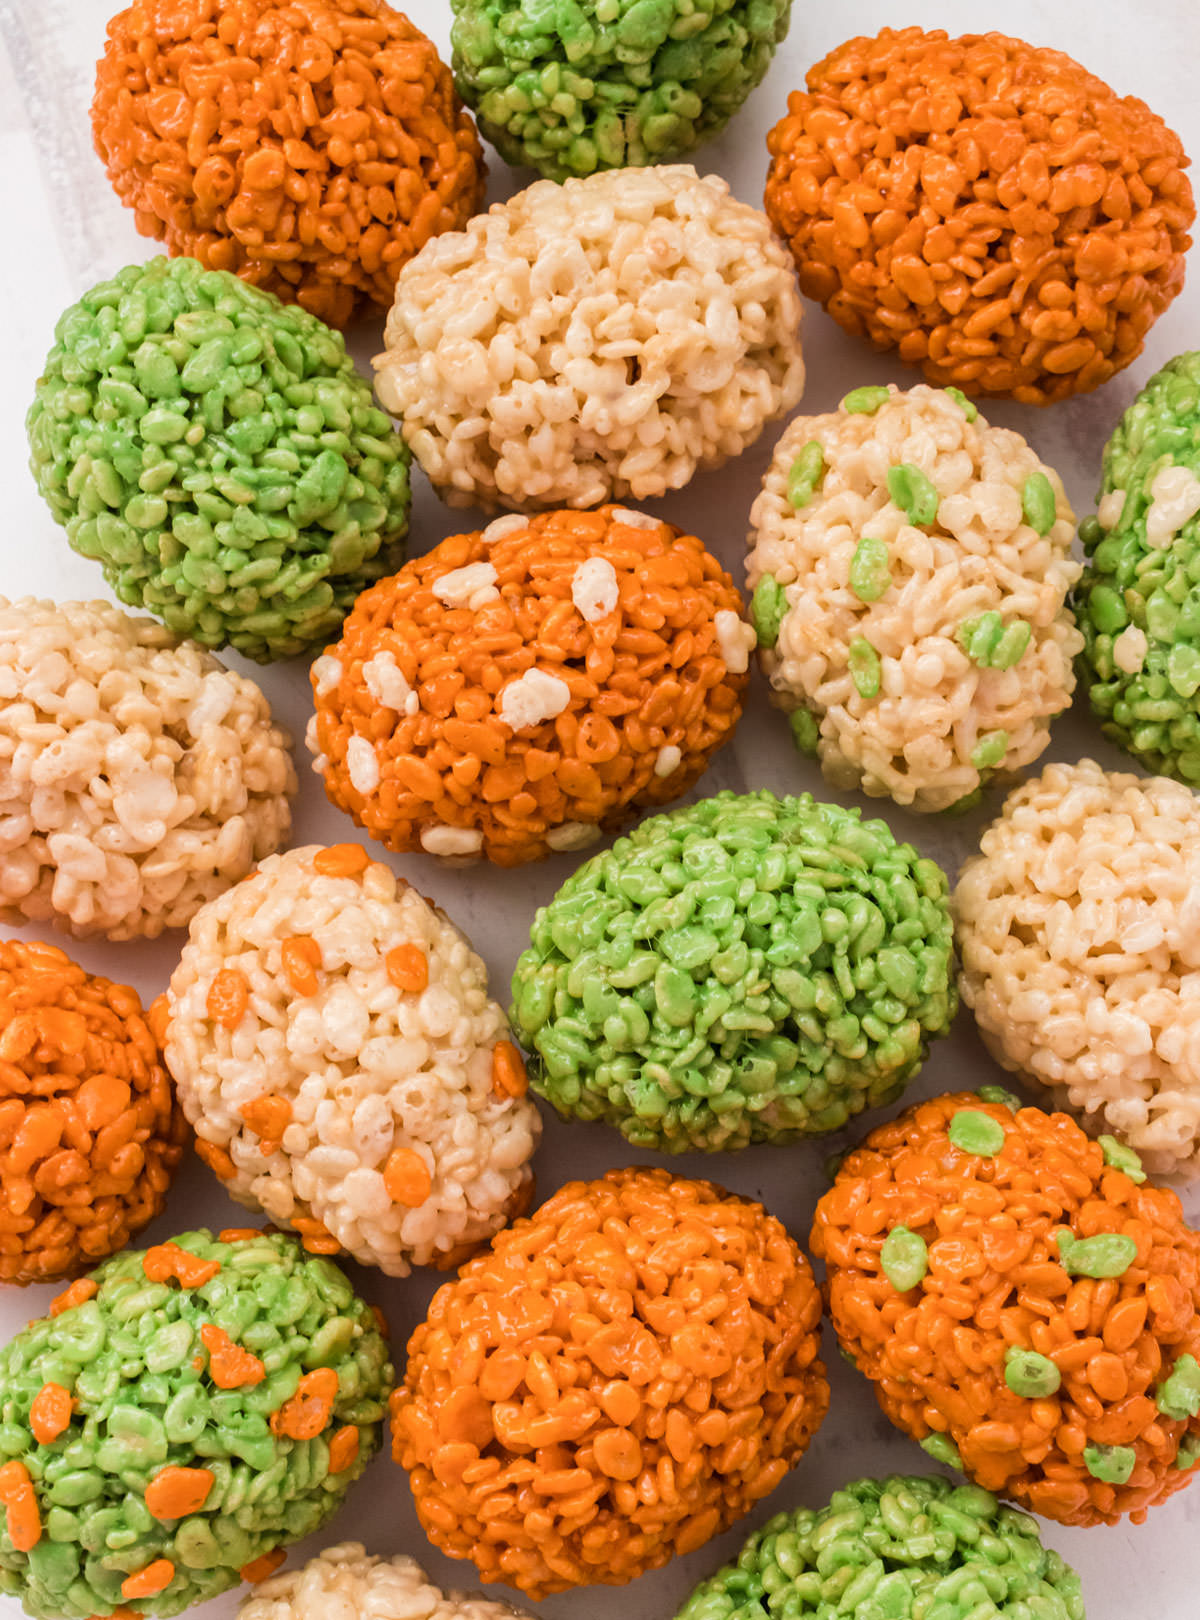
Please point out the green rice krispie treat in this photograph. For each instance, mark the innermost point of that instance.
(219, 455)
(747, 969)
(1138, 603)
(178, 1418)
(894, 1549)
(606, 84)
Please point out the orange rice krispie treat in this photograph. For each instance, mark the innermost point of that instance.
(89, 1131)
(618, 1379)
(988, 208)
(1025, 1305)
(519, 690)
(312, 146)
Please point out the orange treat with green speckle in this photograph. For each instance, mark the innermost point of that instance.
(1025, 1303)
(617, 1380)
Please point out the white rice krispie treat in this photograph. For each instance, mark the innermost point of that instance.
(910, 570)
(592, 340)
(336, 1051)
(346, 1583)
(138, 776)
(1079, 931)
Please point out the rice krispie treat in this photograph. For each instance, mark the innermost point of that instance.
(1079, 931)
(336, 1051)
(345, 1581)
(910, 565)
(591, 341)
(138, 776)
(524, 689)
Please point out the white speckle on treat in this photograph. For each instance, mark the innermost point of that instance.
(594, 588)
(1108, 512)
(1174, 499)
(532, 698)
(1129, 649)
(471, 586)
(736, 639)
(496, 530)
(387, 683)
(320, 761)
(573, 835)
(451, 840)
(326, 673)
(635, 520)
(363, 765)
(669, 759)
(217, 696)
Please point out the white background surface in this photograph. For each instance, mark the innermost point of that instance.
(63, 229)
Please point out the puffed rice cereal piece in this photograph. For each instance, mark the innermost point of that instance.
(336, 1051)
(138, 776)
(345, 1581)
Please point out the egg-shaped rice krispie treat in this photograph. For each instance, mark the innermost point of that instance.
(346, 1581)
(220, 457)
(138, 776)
(614, 1382)
(1078, 926)
(524, 689)
(1026, 1306)
(910, 566)
(1138, 602)
(591, 341)
(178, 1419)
(746, 969)
(334, 1046)
(885, 1548)
(91, 1135)
(595, 87)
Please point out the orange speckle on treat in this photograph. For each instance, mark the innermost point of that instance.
(341, 860)
(381, 1322)
(408, 968)
(239, 1234)
(167, 1262)
(80, 1291)
(315, 1236)
(174, 1492)
(20, 1505)
(310, 1408)
(343, 1449)
(50, 1413)
(148, 1582)
(407, 1177)
(508, 1071)
(301, 957)
(259, 1569)
(268, 1117)
(216, 1158)
(229, 1366)
(228, 997)
(158, 1018)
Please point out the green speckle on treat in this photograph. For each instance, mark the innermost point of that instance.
(973, 1132)
(833, 1164)
(805, 732)
(1038, 503)
(1178, 1395)
(863, 662)
(1151, 709)
(219, 455)
(902, 1548)
(1188, 1454)
(746, 969)
(1112, 1464)
(1120, 1157)
(1107, 1254)
(989, 750)
(134, 1360)
(870, 574)
(805, 474)
(865, 401)
(904, 1258)
(913, 494)
(999, 1094)
(969, 409)
(1029, 1374)
(941, 1450)
(767, 608)
(992, 645)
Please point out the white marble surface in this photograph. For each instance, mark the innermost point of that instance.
(64, 230)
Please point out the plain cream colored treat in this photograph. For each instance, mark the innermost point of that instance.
(335, 1048)
(138, 776)
(347, 1583)
(1079, 932)
(591, 341)
(910, 566)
